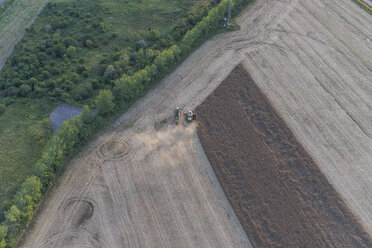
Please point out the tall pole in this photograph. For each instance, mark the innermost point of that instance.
(229, 15)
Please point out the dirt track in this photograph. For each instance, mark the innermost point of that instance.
(278, 193)
(156, 187)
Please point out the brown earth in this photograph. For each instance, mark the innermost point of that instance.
(277, 191)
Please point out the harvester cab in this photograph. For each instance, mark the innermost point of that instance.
(190, 116)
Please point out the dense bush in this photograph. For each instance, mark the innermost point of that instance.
(37, 63)
(42, 65)
(105, 102)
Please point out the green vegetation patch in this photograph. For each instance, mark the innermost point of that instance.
(77, 47)
(24, 130)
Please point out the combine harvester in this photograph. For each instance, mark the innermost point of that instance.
(189, 115)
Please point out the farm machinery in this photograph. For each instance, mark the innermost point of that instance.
(189, 115)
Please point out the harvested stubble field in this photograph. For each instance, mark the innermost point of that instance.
(312, 61)
(278, 192)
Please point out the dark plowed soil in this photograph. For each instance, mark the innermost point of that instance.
(278, 192)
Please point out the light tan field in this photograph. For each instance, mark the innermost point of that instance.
(13, 23)
(144, 183)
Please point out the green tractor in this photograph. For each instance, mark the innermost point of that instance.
(177, 115)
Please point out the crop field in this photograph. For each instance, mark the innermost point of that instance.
(146, 182)
(24, 125)
(278, 192)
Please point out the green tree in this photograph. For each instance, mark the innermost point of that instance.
(89, 43)
(44, 172)
(13, 214)
(142, 44)
(109, 73)
(29, 193)
(87, 115)
(71, 51)
(122, 91)
(104, 102)
(82, 91)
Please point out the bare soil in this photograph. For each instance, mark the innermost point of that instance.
(278, 192)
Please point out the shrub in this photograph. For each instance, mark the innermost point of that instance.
(104, 102)
(154, 36)
(89, 43)
(134, 56)
(13, 215)
(24, 90)
(48, 28)
(82, 91)
(142, 44)
(80, 69)
(87, 116)
(122, 91)
(109, 73)
(71, 51)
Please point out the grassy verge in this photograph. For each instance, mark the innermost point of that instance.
(24, 130)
